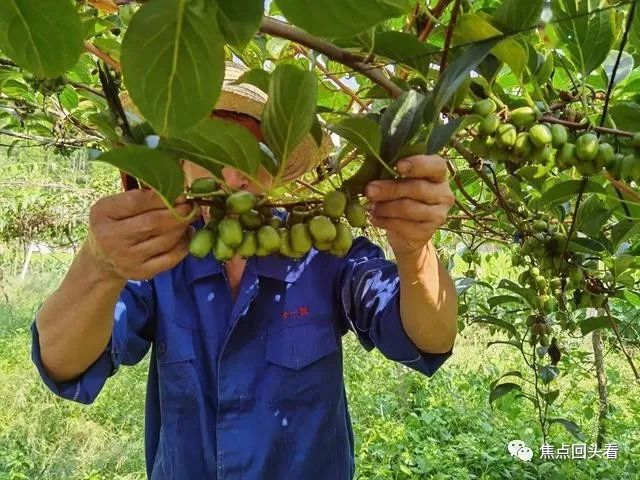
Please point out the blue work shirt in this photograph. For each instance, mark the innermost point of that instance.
(252, 389)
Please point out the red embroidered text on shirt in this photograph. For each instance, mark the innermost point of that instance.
(300, 312)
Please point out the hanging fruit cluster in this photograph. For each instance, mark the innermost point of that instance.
(242, 224)
(520, 140)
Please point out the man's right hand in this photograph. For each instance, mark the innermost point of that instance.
(134, 236)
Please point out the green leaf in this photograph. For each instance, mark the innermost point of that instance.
(512, 373)
(455, 74)
(475, 27)
(586, 34)
(288, 114)
(501, 390)
(551, 396)
(216, 143)
(516, 15)
(400, 123)
(586, 245)
(362, 132)
(257, 77)
(160, 170)
(443, 132)
(560, 192)
(42, 36)
(496, 322)
(623, 231)
(595, 323)
(502, 299)
(525, 293)
(403, 48)
(173, 63)
(548, 373)
(625, 115)
(634, 35)
(69, 98)
(239, 21)
(570, 426)
(341, 18)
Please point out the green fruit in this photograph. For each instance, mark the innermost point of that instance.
(506, 135)
(286, 250)
(261, 252)
(540, 226)
(230, 232)
(322, 229)
(523, 146)
(275, 222)
(540, 135)
(344, 239)
(204, 185)
(251, 220)
(544, 340)
(334, 204)
(586, 169)
(630, 168)
(356, 215)
(266, 212)
(587, 147)
(635, 141)
(489, 124)
(241, 202)
(479, 146)
(555, 283)
(202, 243)
(605, 155)
(484, 107)
(523, 117)
(597, 301)
(301, 240)
(222, 251)
(322, 246)
(566, 156)
(297, 215)
(543, 156)
(576, 276)
(268, 239)
(249, 245)
(559, 135)
(541, 282)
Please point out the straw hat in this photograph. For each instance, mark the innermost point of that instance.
(249, 100)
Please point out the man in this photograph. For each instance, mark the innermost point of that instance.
(245, 378)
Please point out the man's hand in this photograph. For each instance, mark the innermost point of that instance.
(134, 236)
(412, 208)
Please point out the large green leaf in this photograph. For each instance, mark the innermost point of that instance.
(496, 322)
(403, 48)
(625, 115)
(214, 144)
(634, 35)
(455, 74)
(42, 36)
(570, 426)
(516, 15)
(501, 390)
(160, 170)
(239, 21)
(341, 18)
(586, 34)
(364, 133)
(443, 132)
(400, 123)
(528, 295)
(475, 27)
(560, 192)
(590, 324)
(288, 114)
(173, 63)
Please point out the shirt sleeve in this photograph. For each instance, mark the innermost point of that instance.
(129, 343)
(370, 292)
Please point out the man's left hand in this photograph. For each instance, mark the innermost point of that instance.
(414, 206)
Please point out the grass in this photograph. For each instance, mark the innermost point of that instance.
(406, 426)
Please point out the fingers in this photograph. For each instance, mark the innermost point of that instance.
(159, 244)
(411, 210)
(416, 189)
(166, 261)
(153, 223)
(430, 167)
(133, 202)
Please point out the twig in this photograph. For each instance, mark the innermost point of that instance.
(586, 126)
(89, 47)
(437, 11)
(449, 37)
(281, 29)
(616, 331)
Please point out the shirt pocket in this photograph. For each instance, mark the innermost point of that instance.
(177, 377)
(305, 364)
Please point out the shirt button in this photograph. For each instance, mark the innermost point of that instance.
(161, 348)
